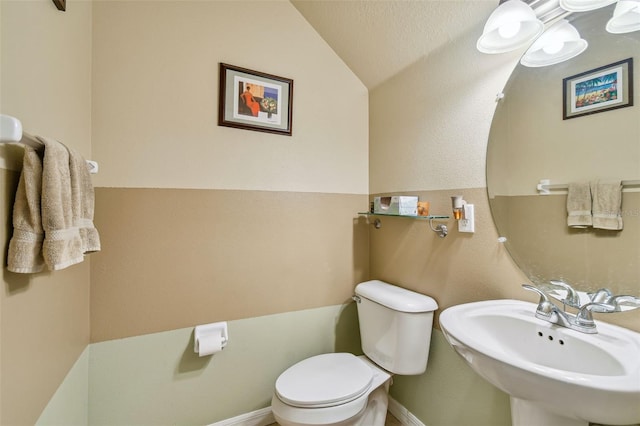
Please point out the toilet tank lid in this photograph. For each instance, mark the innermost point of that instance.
(396, 298)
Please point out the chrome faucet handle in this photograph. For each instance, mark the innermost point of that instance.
(572, 298)
(601, 295)
(584, 316)
(623, 300)
(544, 304)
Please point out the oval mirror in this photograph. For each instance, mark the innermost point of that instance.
(530, 140)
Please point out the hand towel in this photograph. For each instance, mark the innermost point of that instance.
(579, 205)
(607, 201)
(62, 246)
(83, 202)
(25, 246)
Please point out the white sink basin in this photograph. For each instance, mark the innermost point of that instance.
(554, 375)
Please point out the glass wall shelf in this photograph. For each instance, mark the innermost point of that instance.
(441, 230)
(430, 217)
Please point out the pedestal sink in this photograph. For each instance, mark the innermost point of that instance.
(554, 375)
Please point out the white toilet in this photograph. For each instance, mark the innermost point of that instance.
(343, 389)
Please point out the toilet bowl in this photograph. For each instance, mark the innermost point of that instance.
(337, 389)
(341, 389)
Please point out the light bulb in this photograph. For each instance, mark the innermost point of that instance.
(559, 43)
(509, 29)
(512, 25)
(626, 17)
(553, 47)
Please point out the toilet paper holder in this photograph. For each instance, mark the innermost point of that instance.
(203, 332)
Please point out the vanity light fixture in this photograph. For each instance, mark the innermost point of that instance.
(626, 17)
(584, 5)
(559, 43)
(512, 25)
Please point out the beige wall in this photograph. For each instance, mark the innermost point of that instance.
(156, 100)
(248, 223)
(46, 82)
(174, 258)
(429, 124)
(456, 269)
(435, 148)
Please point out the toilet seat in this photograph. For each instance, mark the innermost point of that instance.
(324, 381)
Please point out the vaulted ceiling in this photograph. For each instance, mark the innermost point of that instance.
(379, 38)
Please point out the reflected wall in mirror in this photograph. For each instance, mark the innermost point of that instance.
(530, 141)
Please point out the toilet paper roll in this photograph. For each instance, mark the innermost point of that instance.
(209, 344)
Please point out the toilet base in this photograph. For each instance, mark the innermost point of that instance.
(376, 412)
(373, 411)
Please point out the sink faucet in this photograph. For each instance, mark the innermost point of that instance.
(572, 298)
(582, 321)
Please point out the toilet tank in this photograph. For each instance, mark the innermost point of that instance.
(395, 326)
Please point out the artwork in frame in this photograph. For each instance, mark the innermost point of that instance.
(254, 100)
(60, 4)
(600, 89)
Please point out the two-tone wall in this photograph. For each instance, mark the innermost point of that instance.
(429, 127)
(45, 80)
(202, 223)
(199, 223)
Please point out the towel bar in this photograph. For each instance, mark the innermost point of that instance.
(11, 132)
(544, 187)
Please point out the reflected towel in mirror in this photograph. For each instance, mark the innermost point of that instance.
(579, 205)
(607, 201)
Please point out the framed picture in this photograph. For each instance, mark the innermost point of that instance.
(61, 4)
(254, 100)
(601, 89)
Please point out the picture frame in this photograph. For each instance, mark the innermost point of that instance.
(601, 89)
(60, 4)
(254, 100)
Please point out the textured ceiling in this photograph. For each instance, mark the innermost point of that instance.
(379, 38)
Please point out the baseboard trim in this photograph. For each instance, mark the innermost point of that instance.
(262, 417)
(403, 415)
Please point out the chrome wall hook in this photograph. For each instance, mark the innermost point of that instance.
(441, 230)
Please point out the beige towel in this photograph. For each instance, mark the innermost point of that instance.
(62, 246)
(83, 201)
(607, 201)
(25, 247)
(579, 205)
